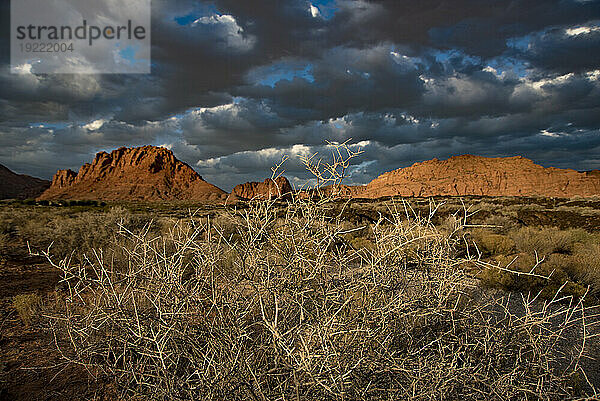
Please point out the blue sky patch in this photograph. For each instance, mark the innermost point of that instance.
(284, 71)
(327, 8)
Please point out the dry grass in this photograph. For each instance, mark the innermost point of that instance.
(28, 307)
(546, 241)
(81, 232)
(526, 274)
(585, 265)
(558, 257)
(66, 232)
(290, 311)
(493, 244)
(4, 243)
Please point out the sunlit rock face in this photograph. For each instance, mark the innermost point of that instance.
(476, 175)
(267, 189)
(146, 173)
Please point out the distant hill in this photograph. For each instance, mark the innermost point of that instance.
(477, 175)
(20, 186)
(147, 173)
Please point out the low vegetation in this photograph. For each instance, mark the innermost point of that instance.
(28, 306)
(291, 310)
(546, 258)
(308, 299)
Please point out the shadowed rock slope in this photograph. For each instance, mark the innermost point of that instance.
(476, 175)
(19, 186)
(147, 173)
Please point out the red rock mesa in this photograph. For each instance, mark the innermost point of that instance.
(476, 175)
(267, 189)
(148, 173)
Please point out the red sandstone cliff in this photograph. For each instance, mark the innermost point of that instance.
(476, 175)
(150, 173)
(147, 173)
(263, 190)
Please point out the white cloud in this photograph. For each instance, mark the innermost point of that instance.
(314, 11)
(411, 119)
(559, 80)
(94, 125)
(22, 68)
(551, 134)
(593, 75)
(581, 30)
(229, 31)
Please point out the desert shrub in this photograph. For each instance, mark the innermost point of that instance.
(501, 273)
(493, 244)
(272, 302)
(568, 257)
(27, 306)
(228, 226)
(541, 277)
(585, 265)
(546, 241)
(10, 219)
(5, 226)
(361, 243)
(499, 223)
(452, 225)
(4, 247)
(289, 311)
(73, 234)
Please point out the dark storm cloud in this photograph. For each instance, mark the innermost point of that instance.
(559, 50)
(235, 85)
(347, 80)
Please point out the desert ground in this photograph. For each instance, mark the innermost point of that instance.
(554, 243)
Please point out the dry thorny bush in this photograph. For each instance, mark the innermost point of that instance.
(281, 307)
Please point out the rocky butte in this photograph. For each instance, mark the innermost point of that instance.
(18, 186)
(147, 173)
(267, 189)
(477, 175)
